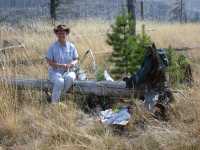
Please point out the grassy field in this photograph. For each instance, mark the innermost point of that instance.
(25, 123)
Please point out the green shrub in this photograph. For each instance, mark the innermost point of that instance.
(100, 74)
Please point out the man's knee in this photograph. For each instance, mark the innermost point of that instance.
(59, 82)
(70, 76)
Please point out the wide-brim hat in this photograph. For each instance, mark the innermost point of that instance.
(62, 28)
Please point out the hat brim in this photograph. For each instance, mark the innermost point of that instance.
(65, 30)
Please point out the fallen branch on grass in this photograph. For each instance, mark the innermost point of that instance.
(14, 63)
(12, 47)
(187, 48)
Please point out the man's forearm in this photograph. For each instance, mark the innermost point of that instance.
(65, 66)
(54, 64)
(57, 65)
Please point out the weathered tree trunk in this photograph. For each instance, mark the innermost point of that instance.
(103, 88)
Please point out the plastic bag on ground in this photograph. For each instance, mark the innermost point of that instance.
(110, 117)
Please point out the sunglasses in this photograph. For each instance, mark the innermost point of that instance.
(60, 32)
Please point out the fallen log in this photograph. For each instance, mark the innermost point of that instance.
(102, 88)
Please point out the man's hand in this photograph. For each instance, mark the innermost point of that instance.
(57, 65)
(67, 66)
(72, 64)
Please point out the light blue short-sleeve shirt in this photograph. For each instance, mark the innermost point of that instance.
(62, 54)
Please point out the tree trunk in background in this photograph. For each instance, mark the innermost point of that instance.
(181, 11)
(13, 3)
(142, 9)
(178, 11)
(131, 4)
(53, 7)
(52, 10)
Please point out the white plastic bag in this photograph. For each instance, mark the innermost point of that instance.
(120, 117)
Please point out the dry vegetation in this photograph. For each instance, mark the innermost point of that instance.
(26, 123)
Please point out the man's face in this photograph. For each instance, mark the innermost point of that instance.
(61, 35)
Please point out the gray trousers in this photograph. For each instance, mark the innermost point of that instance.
(61, 83)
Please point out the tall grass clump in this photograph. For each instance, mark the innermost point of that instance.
(177, 70)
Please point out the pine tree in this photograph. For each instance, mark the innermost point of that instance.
(178, 11)
(128, 49)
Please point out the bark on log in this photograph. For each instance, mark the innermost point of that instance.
(102, 88)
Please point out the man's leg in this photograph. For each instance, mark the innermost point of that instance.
(58, 85)
(69, 79)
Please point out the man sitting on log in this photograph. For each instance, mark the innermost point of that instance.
(62, 56)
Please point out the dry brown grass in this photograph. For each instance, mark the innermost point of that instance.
(175, 35)
(27, 124)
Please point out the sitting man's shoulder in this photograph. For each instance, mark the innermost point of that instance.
(53, 45)
(71, 44)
